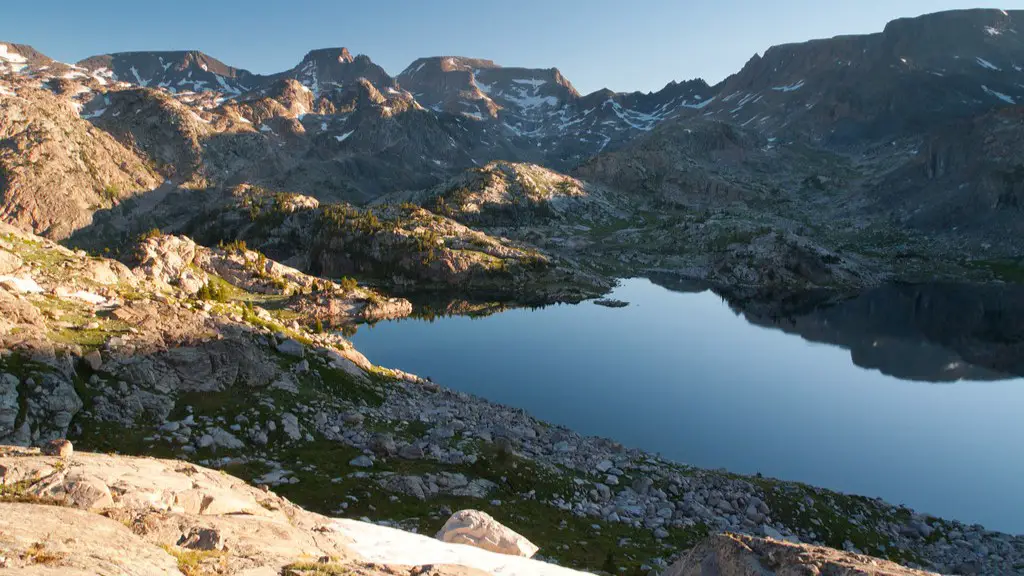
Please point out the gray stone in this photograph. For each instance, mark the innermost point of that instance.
(94, 359)
(290, 426)
(642, 485)
(410, 452)
(363, 461)
(291, 347)
(383, 444)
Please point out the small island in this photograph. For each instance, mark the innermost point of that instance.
(611, 303)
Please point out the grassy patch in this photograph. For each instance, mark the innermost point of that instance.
(198, 562)
(1007, 270)
(835, 518)
(38, 554)
(316, 569)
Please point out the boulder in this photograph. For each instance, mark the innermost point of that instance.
(94, 360)
(59, 447)
(741, 555)
(291, 347)
(290, 425)
(383, 444)
(479, 529)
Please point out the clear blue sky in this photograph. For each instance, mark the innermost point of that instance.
(620, 44)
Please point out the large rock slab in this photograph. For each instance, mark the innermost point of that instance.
(479, 529)
(741, 555)
(45, 540)
(186, 508)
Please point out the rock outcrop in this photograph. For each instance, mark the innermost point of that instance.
(57, 169)
(738, 555)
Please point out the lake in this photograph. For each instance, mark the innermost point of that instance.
(909, 393)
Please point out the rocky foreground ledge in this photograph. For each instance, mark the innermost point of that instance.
(80, 513)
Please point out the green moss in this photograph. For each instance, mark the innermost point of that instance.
(1007, 270)
(830, 515)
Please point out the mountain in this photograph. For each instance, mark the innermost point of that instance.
(328, 68)
(819, 163)
(178, 71)
(17, 57)
(915, 74)
(56, 168)
(898, 152)
(540, 109)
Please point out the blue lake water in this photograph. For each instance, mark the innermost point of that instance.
(684, 375)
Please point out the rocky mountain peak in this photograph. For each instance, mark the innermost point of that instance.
(177, 71)
(17, 57)
(327, 68)
(339, 55)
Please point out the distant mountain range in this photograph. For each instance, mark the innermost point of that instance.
(913, 133)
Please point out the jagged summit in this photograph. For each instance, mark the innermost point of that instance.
(327, 68)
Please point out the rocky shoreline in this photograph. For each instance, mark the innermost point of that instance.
(187, 356)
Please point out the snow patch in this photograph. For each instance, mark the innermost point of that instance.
(89, 297)
(21, 285)
(992, 31)
(13, 57)
(95, 114)
(535, 82)
(138, 78)
(1000, 95)
(699, 105)
(344, 136)
(5, 91)
(986, 64)
(789, 88)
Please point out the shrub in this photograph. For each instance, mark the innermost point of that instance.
(236, 246)
(151, 233)
(111, 192)
(348, 285)
(214, 291)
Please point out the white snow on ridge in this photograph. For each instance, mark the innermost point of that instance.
(485, 88)
(95, 114)
(986, 64)
(532, 101)
(1000, 95)
(226, 87)
(790, 88)
(992, 31)
(699, 105)
(139, 78)
(12, 57)
(536, 83)
(344, 136)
